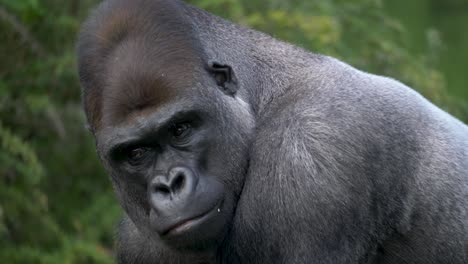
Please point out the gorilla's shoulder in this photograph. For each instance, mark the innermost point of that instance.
(335, 103)
(341, 92)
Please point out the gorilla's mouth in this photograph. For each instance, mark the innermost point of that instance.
(192, 222)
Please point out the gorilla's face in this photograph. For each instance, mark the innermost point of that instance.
(177, 153)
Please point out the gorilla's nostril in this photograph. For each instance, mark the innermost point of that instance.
(178, 183)
(162, 189)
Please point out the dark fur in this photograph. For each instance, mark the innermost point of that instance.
(321, 163)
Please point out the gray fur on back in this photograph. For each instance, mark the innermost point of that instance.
(375, 147)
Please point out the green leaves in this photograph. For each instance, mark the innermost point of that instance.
(18, 158)
(29, 11)
(50, 212)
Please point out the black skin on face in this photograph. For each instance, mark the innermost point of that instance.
(169, 161)
(225, 145)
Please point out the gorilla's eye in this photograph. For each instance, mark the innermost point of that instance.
(180, 130)
(136, 155)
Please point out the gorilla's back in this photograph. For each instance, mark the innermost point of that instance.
(371, 130)
(416, 153)
(398, 162)
(437, 204)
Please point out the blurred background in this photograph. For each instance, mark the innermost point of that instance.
(56, 203)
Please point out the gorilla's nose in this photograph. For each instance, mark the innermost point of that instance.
(172, 189)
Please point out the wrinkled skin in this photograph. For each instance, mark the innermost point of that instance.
(225, 145)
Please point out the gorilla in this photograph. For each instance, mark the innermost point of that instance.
(225, 145)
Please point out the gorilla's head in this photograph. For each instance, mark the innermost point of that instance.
(170, 125)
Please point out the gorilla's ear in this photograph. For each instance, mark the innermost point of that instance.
(224, 77)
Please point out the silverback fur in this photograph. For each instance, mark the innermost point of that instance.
(343, 166)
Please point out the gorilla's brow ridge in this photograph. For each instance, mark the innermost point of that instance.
(146, 128)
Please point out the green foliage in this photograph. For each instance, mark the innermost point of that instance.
(56, 204)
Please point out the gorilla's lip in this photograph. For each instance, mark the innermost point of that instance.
(187, 224)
